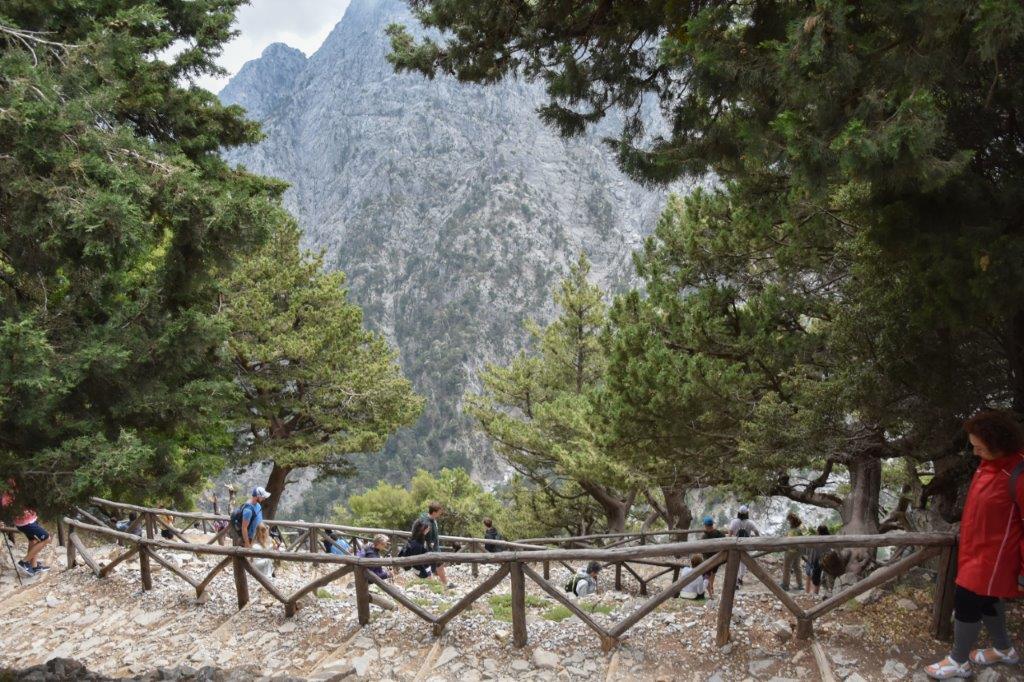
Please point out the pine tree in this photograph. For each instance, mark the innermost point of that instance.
(318, 386)
(117, 221)
(540, 411)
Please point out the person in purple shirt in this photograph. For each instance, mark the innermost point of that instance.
(380, 545)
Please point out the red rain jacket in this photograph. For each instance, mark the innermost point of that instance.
(992, 531)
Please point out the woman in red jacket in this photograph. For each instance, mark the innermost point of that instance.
(991, 547)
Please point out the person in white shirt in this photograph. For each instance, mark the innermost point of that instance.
(694, 589)
(742, 527)
(264, 565)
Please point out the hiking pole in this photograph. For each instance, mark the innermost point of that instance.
(10, 553)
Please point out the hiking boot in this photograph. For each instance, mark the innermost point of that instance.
(40, 568)
(948, 669)
(25, 569)
(991, 656)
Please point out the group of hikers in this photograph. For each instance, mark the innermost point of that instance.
(990, 565)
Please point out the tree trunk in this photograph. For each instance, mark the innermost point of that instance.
(679, 514)
(861, 506)
(275, 486)
(860, 509)
(616, 509)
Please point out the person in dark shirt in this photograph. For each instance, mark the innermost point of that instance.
(711, 533)
(381, 543)
(490, 533)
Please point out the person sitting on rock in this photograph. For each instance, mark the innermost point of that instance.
(584, 582)
(264, 565)
(381, 545)
(695, 588)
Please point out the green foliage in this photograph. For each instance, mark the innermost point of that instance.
(501, 605)
(540, 411)
(852, 289)
(118, 220)
(318, 386)
(466, 503)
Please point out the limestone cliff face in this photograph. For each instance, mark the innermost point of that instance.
(452, 209)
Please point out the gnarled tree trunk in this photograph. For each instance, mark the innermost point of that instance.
(616, 509)
(275, 486)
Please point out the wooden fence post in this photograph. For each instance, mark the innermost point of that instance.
(241, 581)
(945, 586)
(150, 525)
(618, 577)
(313, 540)
(519, 635)
(362, 595)
(144, 568)
(547, 570)
(71, 549)
(732, 568)
(62, 533)
(473, 568)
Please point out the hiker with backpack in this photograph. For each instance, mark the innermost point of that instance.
(711, 533)
(989, 562)
(432, 538)
(248, 517)
(416, 545)
(491, 533)
(812, 567)
(584, 581)
(27, 521)
(334, 543)
(742, 527)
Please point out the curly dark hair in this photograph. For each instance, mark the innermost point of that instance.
(999, 429)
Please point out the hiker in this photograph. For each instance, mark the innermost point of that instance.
(989, 566)
(432, 540)
(584, 581)
(129, 526)
(416, 545)
(335, 544)
(742, 527)
(695, 589)
(381, 544)
(167, 532)
(711, 533)
(28, 523)
(247, 518)
(812, 567)
(491, 533)
(261, 540)
(791, 559)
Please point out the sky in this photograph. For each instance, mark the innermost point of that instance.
(303, 24)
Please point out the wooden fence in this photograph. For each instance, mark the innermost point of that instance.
(515, 562)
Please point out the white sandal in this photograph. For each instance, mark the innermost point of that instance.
(948, 669)
(991, 656)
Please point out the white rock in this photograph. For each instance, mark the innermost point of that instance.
(893, 669)
(542, 658)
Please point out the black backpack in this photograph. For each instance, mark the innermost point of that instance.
(236, 516)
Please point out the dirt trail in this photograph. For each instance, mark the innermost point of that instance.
(116, 629)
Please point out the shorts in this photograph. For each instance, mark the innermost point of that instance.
(970, 607)
(813, 571)
(33, 531)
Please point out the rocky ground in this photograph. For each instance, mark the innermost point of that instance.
(115, 629)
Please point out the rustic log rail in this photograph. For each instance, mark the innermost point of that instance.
(516, 565)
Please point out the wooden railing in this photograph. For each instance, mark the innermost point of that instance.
(516, 564)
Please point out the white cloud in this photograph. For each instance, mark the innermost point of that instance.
(303, 24)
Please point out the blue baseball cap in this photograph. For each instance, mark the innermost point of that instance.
(708, 521)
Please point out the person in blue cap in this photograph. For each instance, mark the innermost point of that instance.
(711, 533)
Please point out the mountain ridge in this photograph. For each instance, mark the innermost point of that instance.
(452, 209)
